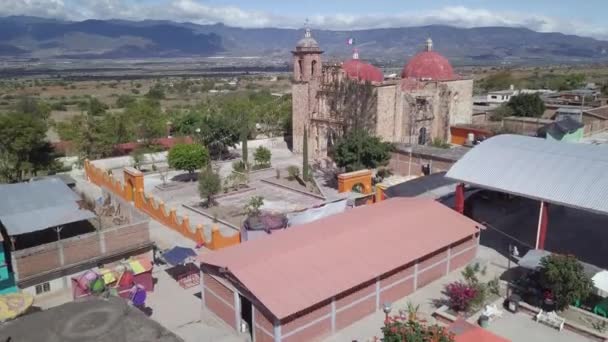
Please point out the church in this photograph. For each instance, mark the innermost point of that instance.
(417, 108)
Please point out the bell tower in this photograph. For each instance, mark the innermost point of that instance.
(307, 58)
(307, 75)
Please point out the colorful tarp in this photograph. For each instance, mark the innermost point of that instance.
(14, 304)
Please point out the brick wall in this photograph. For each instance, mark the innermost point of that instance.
(432, 259)
(36, 260)
(40, 260)
(355, 312)
(396, 275)
(308, 325)
(355, 304)
(399, 163)
(219, 299)
(397, 291)
(431, 274)
(121, 239)
(263, 328)
(81, 248)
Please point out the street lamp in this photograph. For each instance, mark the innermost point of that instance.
(387, 307)
(513, 252)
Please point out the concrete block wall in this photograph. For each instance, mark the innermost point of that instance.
(220, 300)
(399, 163)
(50, 257)
(348, 307)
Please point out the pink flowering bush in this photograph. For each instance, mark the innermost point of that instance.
(460, 295)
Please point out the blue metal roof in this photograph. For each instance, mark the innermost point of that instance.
(569, 174)
(33, 206)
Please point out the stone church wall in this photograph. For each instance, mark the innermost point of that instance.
(300, 98)
(462, 104)
(385, 126)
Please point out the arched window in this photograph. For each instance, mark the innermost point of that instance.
(313, 68)
(422, 136)
(300, 68)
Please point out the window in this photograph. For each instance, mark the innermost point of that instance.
(43, 288)
(313, 68)
(493, 97)
(300, 68)
(422, 136)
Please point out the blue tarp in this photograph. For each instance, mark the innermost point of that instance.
(177, 255)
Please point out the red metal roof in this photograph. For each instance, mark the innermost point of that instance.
(305, 265)
(429, 65)
(359, 70)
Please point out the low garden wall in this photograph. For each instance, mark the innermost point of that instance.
(156, 209)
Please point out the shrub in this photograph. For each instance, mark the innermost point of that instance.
(382, 174)
(397, 330)
(253, 207)
(262, 156)
(209, 184)
(460, 295)
(293, 172)
(188, 157)
(239, 166)
(439, 143)
(564, 275)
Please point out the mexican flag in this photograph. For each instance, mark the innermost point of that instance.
(350, 41)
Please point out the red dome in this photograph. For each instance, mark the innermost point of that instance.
(429, 65)
(357, 69)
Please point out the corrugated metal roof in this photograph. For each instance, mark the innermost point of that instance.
(569, 174)
(33, 206)
(297, 268)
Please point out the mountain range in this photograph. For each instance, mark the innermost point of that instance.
(50, 38)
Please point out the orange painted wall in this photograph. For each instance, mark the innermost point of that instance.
(155, 209)
(346, 181)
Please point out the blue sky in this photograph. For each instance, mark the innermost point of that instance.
(583, 17)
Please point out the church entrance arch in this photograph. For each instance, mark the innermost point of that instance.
(422, 136)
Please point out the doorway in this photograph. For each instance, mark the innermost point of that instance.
(246, 313)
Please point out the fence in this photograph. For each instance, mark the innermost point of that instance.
(156, 209)
(595, 127)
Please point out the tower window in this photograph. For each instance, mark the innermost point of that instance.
(422, 136)
(300, 68)
(313, 68)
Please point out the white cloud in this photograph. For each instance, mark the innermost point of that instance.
(40, 8)
(198, 12)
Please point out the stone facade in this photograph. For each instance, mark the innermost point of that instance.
(414, 111)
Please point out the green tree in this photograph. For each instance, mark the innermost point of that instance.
(188, 157)
(305, 157)
(124, 101)
(501, 112)
(262, 157)
(564, 275)
(93, 107)
(244, 150)
(156, 92)
(32, 107)
(527, 105)
(359, 150)
(23, 147)
(209, 185)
